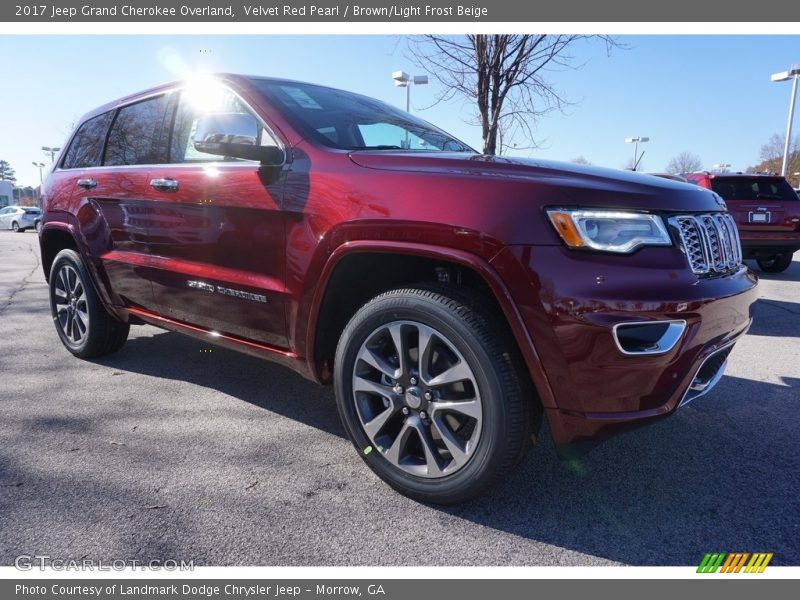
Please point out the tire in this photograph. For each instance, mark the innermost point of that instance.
(477, 423)
(15, 227)
(81, 320)
(776, 264)
(38, 226)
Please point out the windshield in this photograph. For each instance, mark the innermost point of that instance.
(753, 188)
(348, 121)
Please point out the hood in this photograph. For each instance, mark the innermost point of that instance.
(582, 184)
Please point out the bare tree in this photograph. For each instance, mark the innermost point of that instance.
(771, 155)
(580, 160)
(506, 76)
(685, 162)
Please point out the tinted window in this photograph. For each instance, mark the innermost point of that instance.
(351, 122)
(137, 136)
(87, 144)
(753, 188)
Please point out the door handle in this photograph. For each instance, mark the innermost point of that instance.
(164, 184)
(87, 183)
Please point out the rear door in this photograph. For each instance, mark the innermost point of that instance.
(108, 199)
(217, 233)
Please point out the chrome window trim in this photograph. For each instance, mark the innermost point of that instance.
(177, 88)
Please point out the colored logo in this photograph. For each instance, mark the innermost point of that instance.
(735, 562)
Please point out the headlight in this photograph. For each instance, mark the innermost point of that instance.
(609, 231)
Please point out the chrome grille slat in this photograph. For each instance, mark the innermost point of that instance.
(710, 242)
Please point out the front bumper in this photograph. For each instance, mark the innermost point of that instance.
(571, 301)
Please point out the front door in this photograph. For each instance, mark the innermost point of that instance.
(216, 236)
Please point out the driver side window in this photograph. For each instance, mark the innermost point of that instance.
(189, 111)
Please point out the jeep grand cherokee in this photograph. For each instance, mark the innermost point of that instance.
(453, 299)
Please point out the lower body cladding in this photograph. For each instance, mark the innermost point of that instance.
(623, 339)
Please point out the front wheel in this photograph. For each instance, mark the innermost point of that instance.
(16, 228)
(429, 391)
(81, 320)
(775, 264)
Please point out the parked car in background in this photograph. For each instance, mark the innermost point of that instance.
(454, 300)
(20, 218)
(767, 213)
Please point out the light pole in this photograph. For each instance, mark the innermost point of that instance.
(403, 79)
(51, 151)
(40, 166)
(792, 73)
(635, 141)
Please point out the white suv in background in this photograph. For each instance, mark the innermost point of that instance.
(20, 218)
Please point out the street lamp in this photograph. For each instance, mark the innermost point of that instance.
(403, 79)
(51, 151)
(635, 141)
(792, 73)
(41, 166)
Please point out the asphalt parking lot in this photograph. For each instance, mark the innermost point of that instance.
(168, 451)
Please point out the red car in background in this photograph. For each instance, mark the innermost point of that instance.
(767, 213)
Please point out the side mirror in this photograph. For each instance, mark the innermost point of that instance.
(234, 135)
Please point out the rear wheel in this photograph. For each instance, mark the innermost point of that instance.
(775, 264)
(430, 393)
(82, 323)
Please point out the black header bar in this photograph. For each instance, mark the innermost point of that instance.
(332, 11)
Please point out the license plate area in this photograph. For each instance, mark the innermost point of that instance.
(759, 217)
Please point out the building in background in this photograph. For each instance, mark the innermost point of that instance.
(6, 193)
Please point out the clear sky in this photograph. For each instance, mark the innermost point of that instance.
(707, 94)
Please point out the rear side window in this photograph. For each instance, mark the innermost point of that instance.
(753, 188)
(86, 148)
(137, 136)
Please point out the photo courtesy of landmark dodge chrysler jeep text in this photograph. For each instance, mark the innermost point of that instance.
(453, 299)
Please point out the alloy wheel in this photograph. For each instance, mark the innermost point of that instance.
(72, 311)
(417, 399)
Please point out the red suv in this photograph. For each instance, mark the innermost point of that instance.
(767, 213)
(453, 299)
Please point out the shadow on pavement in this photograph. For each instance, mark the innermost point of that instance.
(699, 481)
(776, 318)
(174, 356)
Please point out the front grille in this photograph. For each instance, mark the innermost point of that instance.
(710, 242)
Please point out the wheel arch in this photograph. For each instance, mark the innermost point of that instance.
(56, 236)
(343, 266)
